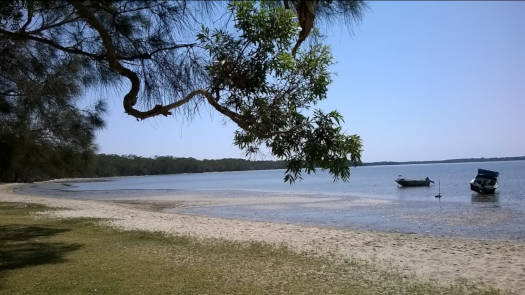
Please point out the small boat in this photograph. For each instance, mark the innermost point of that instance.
(486, 182)
(413, 182)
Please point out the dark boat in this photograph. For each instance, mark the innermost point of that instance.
(486, 182)
(413, 182)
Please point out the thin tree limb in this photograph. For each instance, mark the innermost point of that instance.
(130, 99)
(21, 35)
(47, 27)
(306, 14)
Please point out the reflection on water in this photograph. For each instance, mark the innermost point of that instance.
(485, 201)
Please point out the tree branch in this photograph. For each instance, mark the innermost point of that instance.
(286, 4)
(23, 35)
(47, 27)
(29, 17)
(130, 99)
(225, 111)
(149, 55)
(306, 13)
(29, 36)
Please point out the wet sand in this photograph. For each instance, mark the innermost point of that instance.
(495, 263)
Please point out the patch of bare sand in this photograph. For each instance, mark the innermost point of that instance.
(200, 200)
(359, 202)
(499, 264)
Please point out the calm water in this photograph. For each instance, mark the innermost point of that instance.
(460, 212)
(370, 181)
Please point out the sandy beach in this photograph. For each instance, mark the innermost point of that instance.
(495, 263)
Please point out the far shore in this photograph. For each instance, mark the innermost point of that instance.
(494, 263)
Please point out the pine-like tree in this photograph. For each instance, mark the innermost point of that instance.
(256, 69)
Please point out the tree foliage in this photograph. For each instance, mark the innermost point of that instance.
(256, 70)
(43, 133)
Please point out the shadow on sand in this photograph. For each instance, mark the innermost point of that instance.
(20, 246)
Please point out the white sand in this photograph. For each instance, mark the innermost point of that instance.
(499, 264)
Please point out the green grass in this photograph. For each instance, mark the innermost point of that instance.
(42, 255)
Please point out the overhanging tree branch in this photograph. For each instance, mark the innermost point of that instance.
(29, 18)
(73, 50)
(149, 55)
(130, 99)
(263, 88)
(54, 25)
(306, 14)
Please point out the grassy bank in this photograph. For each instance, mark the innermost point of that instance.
(58, 256)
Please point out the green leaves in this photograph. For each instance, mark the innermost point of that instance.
(245, 71)
(272, 27)
(325, 146)
(253, 73)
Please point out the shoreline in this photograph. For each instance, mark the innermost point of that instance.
(456, 217)
(494, 263)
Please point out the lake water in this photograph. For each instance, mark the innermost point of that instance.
(460, 212)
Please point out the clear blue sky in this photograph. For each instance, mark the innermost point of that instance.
(416, 80)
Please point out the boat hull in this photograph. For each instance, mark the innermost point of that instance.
(483, 190)
(412, 183)
(486, 182)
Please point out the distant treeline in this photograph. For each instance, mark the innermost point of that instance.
(116, 165)
(464, 160)
(48, 164)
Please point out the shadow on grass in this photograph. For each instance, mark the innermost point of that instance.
(20, 246)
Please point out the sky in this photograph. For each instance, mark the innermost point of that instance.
(416, 80)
